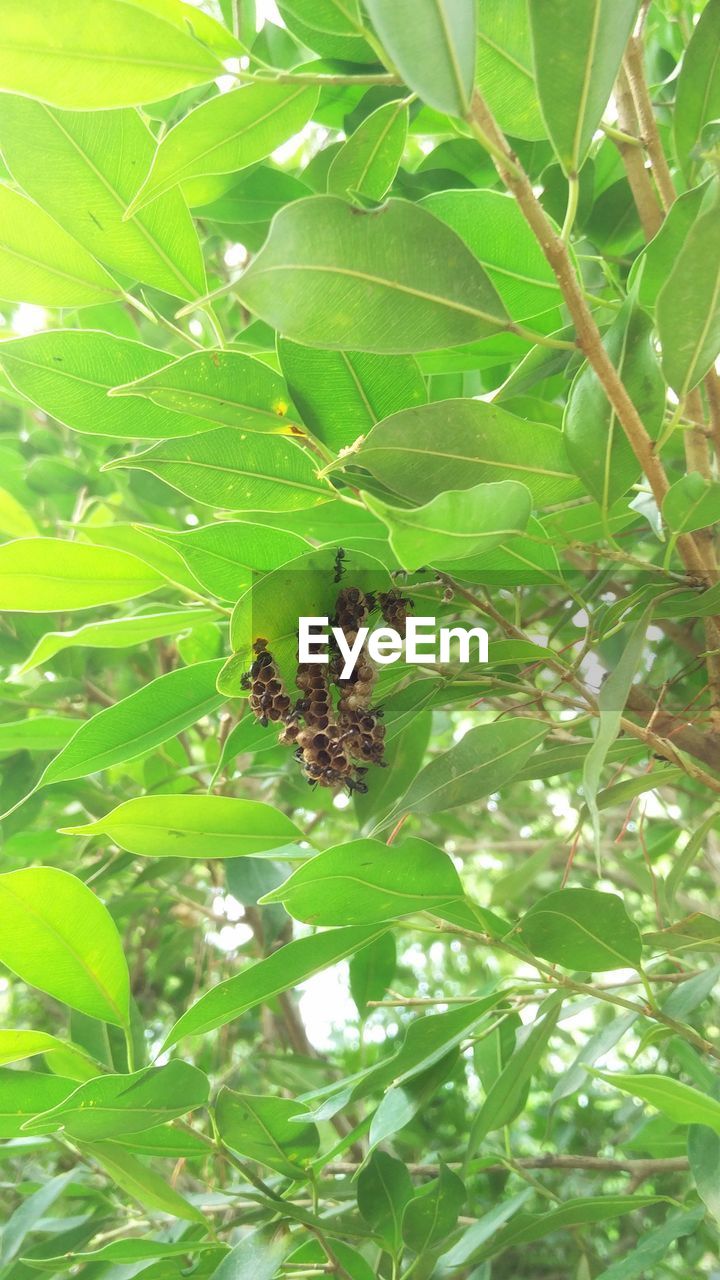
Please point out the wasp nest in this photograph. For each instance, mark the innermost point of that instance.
(333, 726)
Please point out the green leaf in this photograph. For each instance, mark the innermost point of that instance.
(580, 1212)
(96, 158)
(289, 966)
(383, 1191)
(177, 826)
(432, 43)
(369, 388)
(15, 521)
(138, 723)
(494, 229)
(482, 762)
(111, 1106)
(680, 1102)
(704, 1157)
(69, 372)
(582, 929)
(611, 704)
(114, 633)
(357, 883)
(41, 264)
(688, 305)
(506, 1096)
(223, 469)
(40, 575)
(37, 733)
(143, 1184)
(505, 74)
(577, 54)
(653, 266)
(367, 163)
(29, 1213)
(332, 276)
(691, 503)
(26, 1093)
(433, 1212)
(370, 972)
(139, 1249)
(226, 557)
(225, 388)
(457, 444)
(229, 132)
(17, 1045)
(696, 932)
(57, 936)
(697, 97)
(124, 57)
(402, 1103)
(455, 525)
(596, 443)
(257, 1256)
(653, 1247)
(267, 1130)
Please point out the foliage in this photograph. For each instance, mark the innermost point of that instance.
(437, 284)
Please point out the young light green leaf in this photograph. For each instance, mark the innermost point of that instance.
(267, 1130)
(483, 761)
(177, 826)
(432, 43)
(505, 74)
(289, 966)
(457, 444)
(55, 934)
(226, 557)
(455, 525)
(597, 446)
(577, 54)
(225, 388)
(357, 883)
(151, 1189)
(229, 132)
(43, 575)
(582, 929)
(496, 232)
(688, 305)
(18, 1045)
(37, 733)
(368, 161)
(115, 633)
(331, 275)
(226, 470)
(680, 1102)
(111, 1106)
(369, 387)
(693, 502)
(138, 1249)
(140, 722)
(40, 263)
(96, 158)
(69, 372)
(697, 99)
(124, 57)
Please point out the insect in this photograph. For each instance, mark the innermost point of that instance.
(340, 555)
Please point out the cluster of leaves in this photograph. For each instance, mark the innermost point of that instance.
(437, 282)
